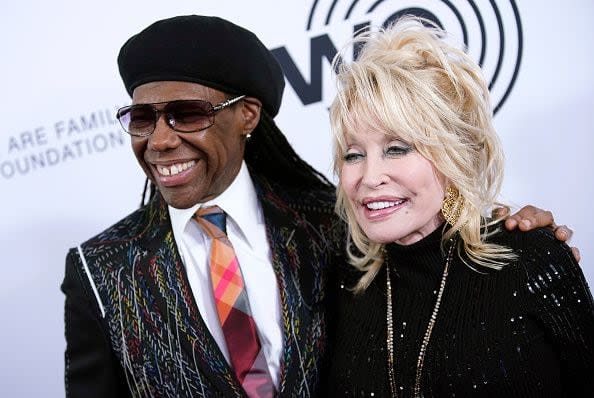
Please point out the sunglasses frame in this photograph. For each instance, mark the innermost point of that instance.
(169, 119)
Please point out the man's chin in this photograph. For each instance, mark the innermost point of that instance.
(176, 198)
(179, 203)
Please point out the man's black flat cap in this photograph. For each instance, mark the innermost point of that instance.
(206, 50)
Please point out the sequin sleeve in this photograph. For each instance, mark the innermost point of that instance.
(562, 302)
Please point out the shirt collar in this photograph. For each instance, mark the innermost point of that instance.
(239, 201)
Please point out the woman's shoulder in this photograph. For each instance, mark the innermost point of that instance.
(536, 243)
(544, 261)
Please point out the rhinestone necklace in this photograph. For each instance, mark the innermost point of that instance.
(426, 337)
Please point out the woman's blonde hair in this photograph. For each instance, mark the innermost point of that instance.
(410, 83)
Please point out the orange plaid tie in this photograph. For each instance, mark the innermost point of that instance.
(233, 308)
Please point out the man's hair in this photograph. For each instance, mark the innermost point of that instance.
(269, 155)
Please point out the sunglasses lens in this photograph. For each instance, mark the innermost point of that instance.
(190, 115)
(182, 115)
(137, 119)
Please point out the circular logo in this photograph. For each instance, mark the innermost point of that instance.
(491, 31)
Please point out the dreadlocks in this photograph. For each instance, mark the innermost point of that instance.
(269, 154)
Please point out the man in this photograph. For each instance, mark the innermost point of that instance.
(147, 301)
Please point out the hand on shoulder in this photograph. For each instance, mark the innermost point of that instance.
(531, 217)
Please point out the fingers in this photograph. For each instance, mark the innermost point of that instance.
(576, 254)
(563, 233)
(515, 220)
(542, 219)
(511, 223)
(530, 217)
(503, 212)
(500, 212)
(523, 223)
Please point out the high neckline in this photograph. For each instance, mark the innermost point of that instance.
(423, 257)
(428, 241)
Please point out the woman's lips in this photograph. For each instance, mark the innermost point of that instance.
(377, 209)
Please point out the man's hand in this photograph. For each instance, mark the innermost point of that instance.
(530, 217)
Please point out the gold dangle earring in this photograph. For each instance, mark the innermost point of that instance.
(452, 205)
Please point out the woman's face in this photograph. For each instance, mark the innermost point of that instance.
(395, 192)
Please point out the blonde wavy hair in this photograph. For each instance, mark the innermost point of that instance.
(410, 83)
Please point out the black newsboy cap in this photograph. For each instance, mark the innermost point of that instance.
(206, 50)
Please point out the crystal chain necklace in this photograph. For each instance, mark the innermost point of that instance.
(426, 337)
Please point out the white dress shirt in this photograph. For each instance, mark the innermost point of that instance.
(247, 233)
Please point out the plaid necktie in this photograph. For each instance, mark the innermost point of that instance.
(233, 307)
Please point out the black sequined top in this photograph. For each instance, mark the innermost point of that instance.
(524, 331)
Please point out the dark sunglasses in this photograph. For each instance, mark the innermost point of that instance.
(185, 116)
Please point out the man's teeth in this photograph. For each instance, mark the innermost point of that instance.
(382, 205)
(175, 168)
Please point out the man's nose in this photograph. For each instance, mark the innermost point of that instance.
(163, 137)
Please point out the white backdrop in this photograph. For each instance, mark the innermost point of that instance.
(66, 170)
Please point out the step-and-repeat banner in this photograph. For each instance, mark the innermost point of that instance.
(67, 172)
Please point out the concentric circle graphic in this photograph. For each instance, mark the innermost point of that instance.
(491, 30)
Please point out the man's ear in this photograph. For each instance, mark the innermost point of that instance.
(251, 113)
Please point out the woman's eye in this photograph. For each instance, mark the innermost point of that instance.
(396, 150)
(352, 157)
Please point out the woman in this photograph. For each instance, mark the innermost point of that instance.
(441, 300)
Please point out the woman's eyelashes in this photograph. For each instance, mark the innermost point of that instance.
(390, 150)
(352, 156)
(399, 149)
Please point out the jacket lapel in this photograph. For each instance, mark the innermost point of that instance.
(295, 275)
(167, 281)
(297, 262)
